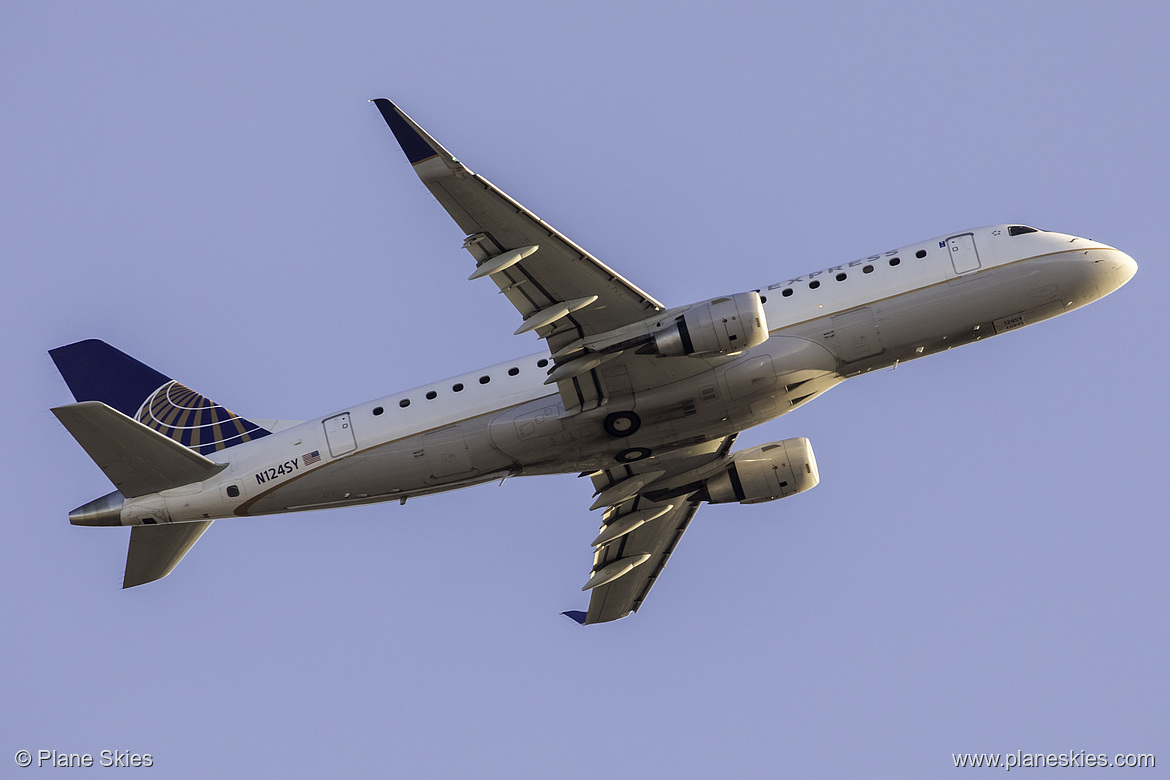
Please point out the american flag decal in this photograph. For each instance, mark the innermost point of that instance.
(309, 458)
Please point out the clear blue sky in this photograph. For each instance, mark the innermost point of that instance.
(982, 568)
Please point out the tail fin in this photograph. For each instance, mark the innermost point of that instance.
(95, 371)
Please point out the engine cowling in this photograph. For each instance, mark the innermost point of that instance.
(716, 327)
(765, 473)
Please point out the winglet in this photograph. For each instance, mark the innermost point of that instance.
(577, 615)
(415, 141)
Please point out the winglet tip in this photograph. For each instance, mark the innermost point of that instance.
(417, 145)
(576, 615)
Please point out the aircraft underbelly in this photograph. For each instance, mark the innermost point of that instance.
(452, 456)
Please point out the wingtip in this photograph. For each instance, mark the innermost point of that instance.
(417, 145)
(576, 615)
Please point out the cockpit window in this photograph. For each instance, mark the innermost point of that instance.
(1019, 230)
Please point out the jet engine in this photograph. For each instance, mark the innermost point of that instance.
(716, 327)
(764, 473)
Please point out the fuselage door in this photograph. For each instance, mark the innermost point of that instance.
(964, 256)
(339, 434)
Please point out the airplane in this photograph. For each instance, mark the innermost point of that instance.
(644, 399)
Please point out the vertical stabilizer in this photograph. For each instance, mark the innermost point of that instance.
(95, 371)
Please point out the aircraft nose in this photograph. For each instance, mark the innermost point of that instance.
(1124, 267)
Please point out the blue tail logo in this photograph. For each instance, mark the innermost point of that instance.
(95, 371)
(195, 420)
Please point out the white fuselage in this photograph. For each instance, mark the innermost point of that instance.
(504, 420)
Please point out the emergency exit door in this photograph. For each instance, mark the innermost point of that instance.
(339, 434)
(964, 256)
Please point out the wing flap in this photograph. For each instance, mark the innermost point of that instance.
(136, 459)
(156, 549)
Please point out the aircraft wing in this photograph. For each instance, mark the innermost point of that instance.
(562, 292)
(648, 509)
(647, 549)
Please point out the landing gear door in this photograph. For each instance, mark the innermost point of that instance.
(339, 434)
(964, 256)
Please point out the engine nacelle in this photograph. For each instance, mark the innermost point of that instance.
(765, 473)
(716, 327)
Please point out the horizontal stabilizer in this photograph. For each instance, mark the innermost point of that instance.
(156, 549)
(137, 460)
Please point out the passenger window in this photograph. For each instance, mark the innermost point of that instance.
(431, 395)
